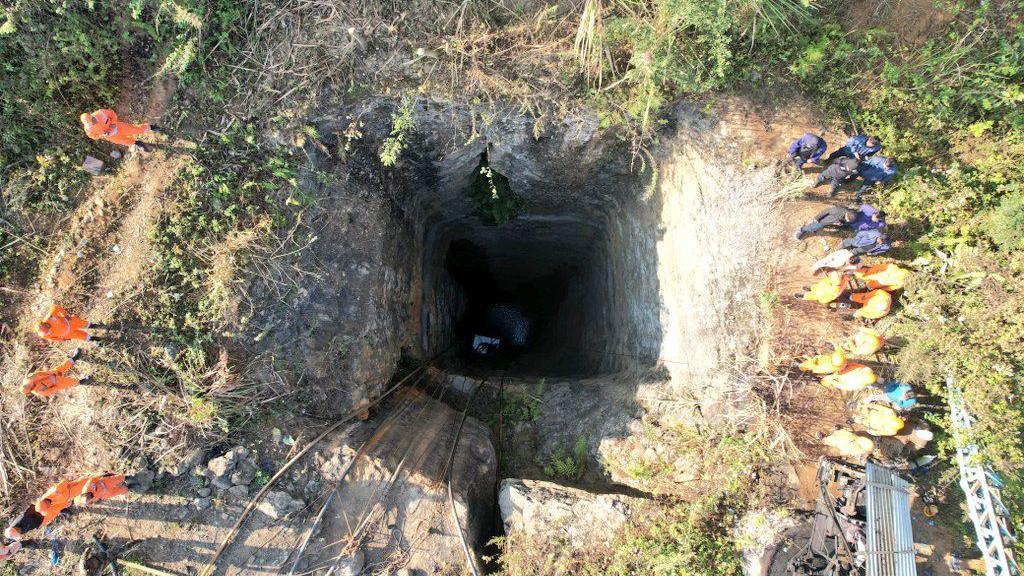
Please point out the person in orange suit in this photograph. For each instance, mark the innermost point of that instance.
(828, 289)
(102, 488)
(62, 495)
(104, 125)
(59, 497)
(850, 378)
(873, 305)
(886, 276)
(864, 342)
(49, 382)
(824, 363)
(59, 326)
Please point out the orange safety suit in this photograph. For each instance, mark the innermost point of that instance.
(887, 276)
(102, 488)
(846, 443)
(850, 378)
(824, 363)
(827, 289)
(874, 304)
(59, 326)
(59, 497)
(864, 342)
(49, 382)
(879, 420)
(103, 124)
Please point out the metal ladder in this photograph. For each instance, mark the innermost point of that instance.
(981, 488)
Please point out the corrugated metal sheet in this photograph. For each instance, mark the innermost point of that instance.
(890, 546)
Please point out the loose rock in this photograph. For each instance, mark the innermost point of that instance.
(238, 492)
(222, 465)
(584, 518)
(351, 566)
(142, 481)
(277, 504)
(190, 461)
(244, 474)
(202, 503)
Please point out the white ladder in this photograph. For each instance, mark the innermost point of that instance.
(984, 504)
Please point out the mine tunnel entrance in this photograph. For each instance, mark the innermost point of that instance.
(541, 290)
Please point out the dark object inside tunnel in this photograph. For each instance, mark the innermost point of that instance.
(519, 311)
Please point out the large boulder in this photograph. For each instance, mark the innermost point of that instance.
(582, 519)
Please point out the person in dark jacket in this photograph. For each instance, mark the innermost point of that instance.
(859, 147)
(837, 172)
(870, 242)
(875, 170)
(808, 148)
(866, 217)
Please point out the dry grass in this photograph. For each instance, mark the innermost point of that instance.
(468, 50)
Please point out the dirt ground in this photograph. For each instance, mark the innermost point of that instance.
(911, 21)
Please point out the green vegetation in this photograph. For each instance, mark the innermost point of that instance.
(494, 197)
(523, 407)
(565, 465)
(231, 192)
(402, 125)
(670, 537)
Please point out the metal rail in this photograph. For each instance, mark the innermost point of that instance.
(984, 504)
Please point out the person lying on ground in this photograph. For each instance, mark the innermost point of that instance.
(850, 378)
(869, 242)
(824, 363)
(60, 326)
(871, 305)
(839, 260)
(102, 488)
(878, 419)
(873, 171)
(807, 148)
(104, 125)
(826, 290)
(887, 276)
(837, 172)
(49, 382)
(865, 341)
(47, 508)
(848, 444)
(82, 491)
(858, 146)
(864, 217)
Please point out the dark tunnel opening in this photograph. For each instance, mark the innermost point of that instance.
(504, 323)
(537, 276)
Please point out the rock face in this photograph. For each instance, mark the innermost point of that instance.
(581, 519)
(398, 487)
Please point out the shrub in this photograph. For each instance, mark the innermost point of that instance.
(1005, 224)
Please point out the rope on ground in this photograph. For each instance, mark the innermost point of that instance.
(470, 561)
(361, 452)
(212, 565)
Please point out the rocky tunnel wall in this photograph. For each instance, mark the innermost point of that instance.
(583, 242)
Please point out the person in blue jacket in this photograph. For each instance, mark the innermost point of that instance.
(860, 147)
(865, 217)
(807, 148)
(875, 170)
(871, 242)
